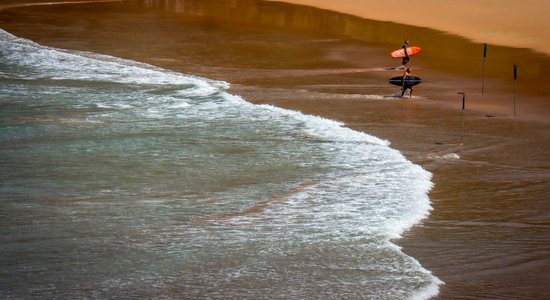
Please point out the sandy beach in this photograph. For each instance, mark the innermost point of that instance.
(488, 234)
(507, 23)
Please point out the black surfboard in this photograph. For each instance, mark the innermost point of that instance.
(409, 80)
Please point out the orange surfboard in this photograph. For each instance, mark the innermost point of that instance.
(410, 50)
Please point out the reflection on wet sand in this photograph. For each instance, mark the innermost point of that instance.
(446, 52)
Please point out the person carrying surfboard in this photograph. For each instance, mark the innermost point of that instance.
(405, 52)
(406, 84)
(406, 57)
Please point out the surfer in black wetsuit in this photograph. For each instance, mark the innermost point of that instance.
(406, 85)
(406, 57)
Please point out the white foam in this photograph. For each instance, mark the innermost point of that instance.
(370, 190)
(365, 165)
(326, 128)
(429, 291)
(59, 64)
(371, 166)
(447, 156)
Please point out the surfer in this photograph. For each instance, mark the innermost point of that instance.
(406, 57)
(406, 85)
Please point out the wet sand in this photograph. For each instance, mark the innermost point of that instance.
(488, 235)
(510, 23)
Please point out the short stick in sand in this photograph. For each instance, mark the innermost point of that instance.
(462, 117)
(515, 79)
(483, 71)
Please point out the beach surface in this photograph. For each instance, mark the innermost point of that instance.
(512, 23)
(488, 234)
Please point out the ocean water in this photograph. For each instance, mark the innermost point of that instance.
(122, 180)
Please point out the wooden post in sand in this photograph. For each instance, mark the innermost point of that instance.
(483, 71)
(462, 117)
(515, 79)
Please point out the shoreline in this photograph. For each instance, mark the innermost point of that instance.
(519, 24)
(422, 129)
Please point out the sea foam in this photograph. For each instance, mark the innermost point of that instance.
(275, 192)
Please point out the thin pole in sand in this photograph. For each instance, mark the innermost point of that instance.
(483, 71)
(462, 117)
(515, 79)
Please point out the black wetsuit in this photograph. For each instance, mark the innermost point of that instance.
(405, 85)
(406, 58)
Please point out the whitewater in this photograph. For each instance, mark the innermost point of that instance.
(123, 180)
